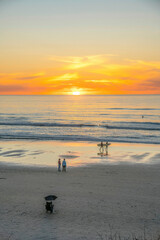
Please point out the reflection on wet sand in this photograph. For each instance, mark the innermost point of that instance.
(46, 153)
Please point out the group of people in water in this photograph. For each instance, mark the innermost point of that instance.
(62, 166)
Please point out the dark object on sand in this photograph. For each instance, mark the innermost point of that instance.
(49, 204)
(50, 198)
(49, 207)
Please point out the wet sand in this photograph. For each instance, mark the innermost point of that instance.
(46, 153)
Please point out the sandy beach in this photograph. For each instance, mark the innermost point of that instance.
(95, 201)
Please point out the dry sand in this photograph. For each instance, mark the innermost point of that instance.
(93, 201)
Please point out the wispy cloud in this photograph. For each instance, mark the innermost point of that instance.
(96, 74)
(26, 78)
(72, 62)
(65, 77)
(11, 88)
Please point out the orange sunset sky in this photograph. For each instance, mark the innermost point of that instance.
(79, 47)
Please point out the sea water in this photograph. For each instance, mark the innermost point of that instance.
(125, 118)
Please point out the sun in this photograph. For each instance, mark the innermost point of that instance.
(76, 93)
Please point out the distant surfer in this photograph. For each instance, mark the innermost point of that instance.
(103, 148)
(107, 144)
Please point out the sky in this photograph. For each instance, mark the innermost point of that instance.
(63, 47)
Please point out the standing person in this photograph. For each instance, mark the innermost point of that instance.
(64, 165)
(101, 147)
(59, 165)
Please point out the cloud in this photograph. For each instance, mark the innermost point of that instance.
(96, 74)
(81, 62)
(65, 77)
(27, 78)
(99, 81)
(33, 76)
(152, 83)
(11, 88)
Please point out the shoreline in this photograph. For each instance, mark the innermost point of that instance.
(77, 140)
(77, 154)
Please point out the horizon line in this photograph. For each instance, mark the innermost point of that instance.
(79, 95)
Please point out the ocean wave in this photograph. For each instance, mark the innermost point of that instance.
(132, 128)
(141, 126)
(79, 138)
(135, 109)
(45, 124)
(48, 137)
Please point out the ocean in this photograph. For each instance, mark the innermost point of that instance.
(125, 118)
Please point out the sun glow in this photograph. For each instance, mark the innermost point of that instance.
(76, 93)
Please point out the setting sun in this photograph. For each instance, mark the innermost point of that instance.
(76, 93)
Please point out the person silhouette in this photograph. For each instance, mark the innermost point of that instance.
(59, 165)
(64, 165)
(101, 147)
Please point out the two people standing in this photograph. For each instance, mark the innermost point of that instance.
(64, 165)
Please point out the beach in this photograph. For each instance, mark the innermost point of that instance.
(111, 194)
(96, 200)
